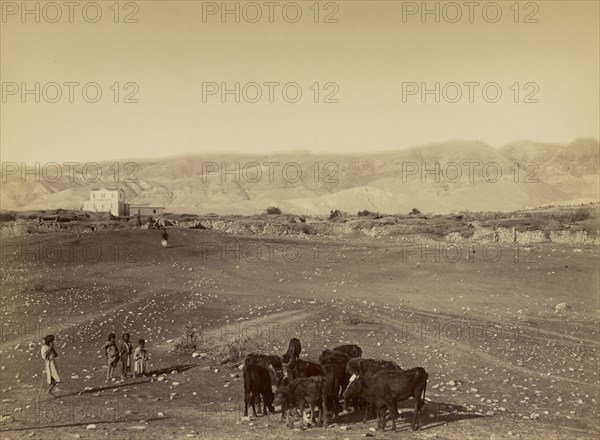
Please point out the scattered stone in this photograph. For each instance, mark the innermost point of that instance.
(91, 426)
(561, 306)
(136, 428)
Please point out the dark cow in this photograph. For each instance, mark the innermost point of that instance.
(270, 362)
(333, 378)
(257, 383)
(387, 388)
(293, 351)
(301, 368)
(334, 364)
(311, 390)
(364, 367)
(361, 367)
(334, 356)
(352, 350)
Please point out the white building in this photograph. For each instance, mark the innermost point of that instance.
(106, 200)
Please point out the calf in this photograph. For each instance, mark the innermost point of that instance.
(300, 391)
(352, 350)
(257, 383)
(293, 351)
(387, 388)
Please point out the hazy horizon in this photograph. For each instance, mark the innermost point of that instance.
(306, 151)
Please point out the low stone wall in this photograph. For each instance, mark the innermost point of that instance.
(505, 235)
(572, 237)
(392, 232)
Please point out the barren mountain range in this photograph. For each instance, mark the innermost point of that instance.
(443, 177)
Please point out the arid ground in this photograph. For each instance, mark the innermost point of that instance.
(502, 362)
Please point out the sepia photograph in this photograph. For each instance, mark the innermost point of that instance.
(299, 220)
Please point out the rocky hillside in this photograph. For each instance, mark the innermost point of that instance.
(470, 176)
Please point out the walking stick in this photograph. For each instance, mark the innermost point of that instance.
(41, 382)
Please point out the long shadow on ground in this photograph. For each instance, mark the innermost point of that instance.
(434, 414)
(132, 381)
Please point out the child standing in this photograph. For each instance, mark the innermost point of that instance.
(49, 355)
(112, 355)
(140, 357)
(125, 355)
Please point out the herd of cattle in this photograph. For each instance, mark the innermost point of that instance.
(340, 373)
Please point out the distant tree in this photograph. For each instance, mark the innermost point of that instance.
(580, 215)
(8, 216)
(415, 211)
(335, 214)
(273, 210)
(364, 213)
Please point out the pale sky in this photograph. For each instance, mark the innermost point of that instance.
(370, 56)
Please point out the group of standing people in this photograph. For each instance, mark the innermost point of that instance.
(114, 353)
(123, 352)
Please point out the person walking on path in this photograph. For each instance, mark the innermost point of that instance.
(49, 355)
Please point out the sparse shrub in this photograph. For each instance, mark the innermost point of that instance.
(364, 213)
(415, 211)
(188, 341)
(273, 210)
(351, 319)
(580, 215)
(7, 216)
(218, 348)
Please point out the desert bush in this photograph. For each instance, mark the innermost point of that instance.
(8, 216)
(415, 211)
(351, 319)
(218, 348)
(273, 210)
(188, 343)
(579, 215)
